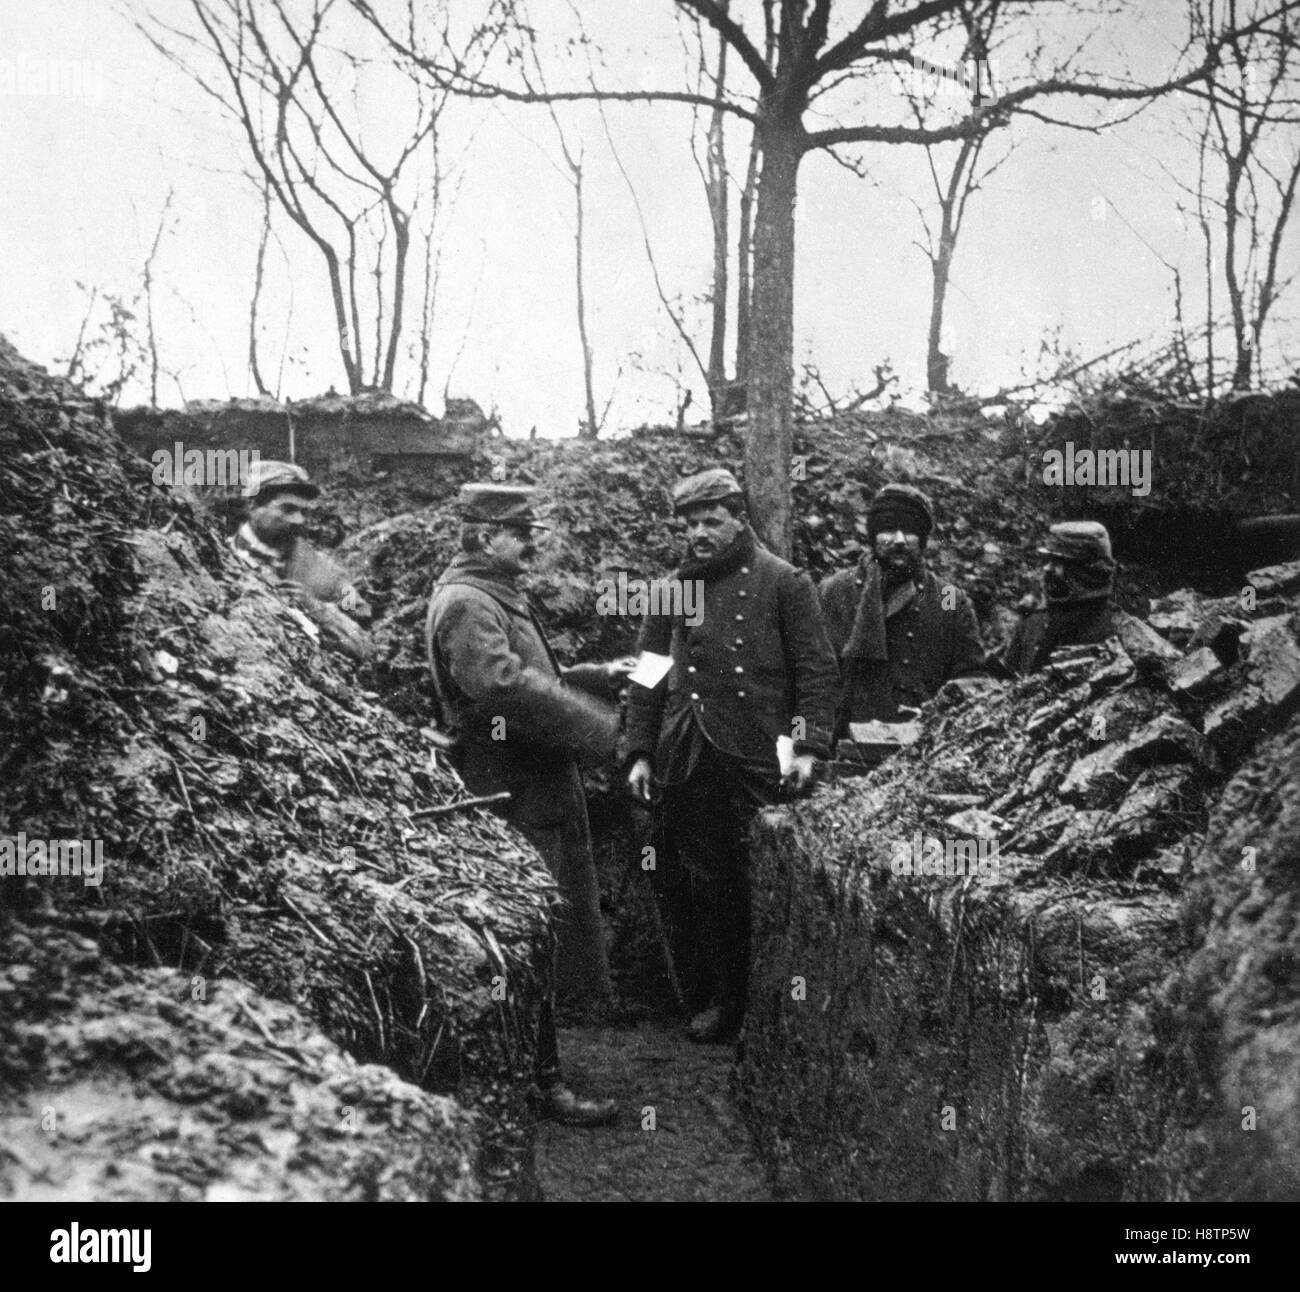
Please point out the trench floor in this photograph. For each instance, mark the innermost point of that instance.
(698, 1149)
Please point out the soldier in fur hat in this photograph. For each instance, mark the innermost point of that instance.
(898, 633)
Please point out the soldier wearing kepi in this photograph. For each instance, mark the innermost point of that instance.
(522, 723)
(753, 667)
(1079, 586)
(280, 498)
(898, 633)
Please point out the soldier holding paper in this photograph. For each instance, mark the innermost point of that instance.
(756, 669)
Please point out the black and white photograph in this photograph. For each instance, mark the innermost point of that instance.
(650, 601)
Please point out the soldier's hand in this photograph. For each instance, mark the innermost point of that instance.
(641, 779)
(801, 774)
(617, 670)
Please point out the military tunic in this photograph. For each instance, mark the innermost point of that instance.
(756, 666)
(1044, 630)
(927, 645)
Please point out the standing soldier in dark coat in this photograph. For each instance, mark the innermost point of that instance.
(755, 666)
(898, 633)
(522, 723)
(1078, 584)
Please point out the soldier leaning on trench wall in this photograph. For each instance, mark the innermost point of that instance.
(279, 496)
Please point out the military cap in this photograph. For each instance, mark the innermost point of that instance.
(1085, 541)
(499, 504)
(267, 474)
(900, 506)
(705, 487)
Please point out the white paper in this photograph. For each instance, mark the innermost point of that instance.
(650, 669)
(784, 754)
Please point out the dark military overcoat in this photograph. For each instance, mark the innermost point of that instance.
(757, 660)
(1044, 630)
(927, 645)
(523, 724)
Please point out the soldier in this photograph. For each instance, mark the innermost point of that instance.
(1078, 584)
(898, 633)
(755, 666)
(280, 498)
(522, 723)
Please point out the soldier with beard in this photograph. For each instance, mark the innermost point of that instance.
(755, 666)
(898, 633)
(1078, 583)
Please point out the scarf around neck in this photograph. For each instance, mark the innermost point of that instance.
(737, 553)
(867, 642)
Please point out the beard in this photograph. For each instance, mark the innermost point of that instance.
(898, 565)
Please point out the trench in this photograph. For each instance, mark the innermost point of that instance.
(679, 1136)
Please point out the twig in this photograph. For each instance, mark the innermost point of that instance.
(289, 903)
(465, 805)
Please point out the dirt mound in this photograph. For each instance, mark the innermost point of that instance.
(253, 808)
(976, 972)
(609, 505)
(162, 1086)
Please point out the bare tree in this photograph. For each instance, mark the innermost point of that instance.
(820, 65)
(293, 78)
(1252, 114)
(956, 170)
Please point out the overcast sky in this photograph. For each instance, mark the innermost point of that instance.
(1067, 238)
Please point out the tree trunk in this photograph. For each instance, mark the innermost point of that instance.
(716, 185)
(771, 352)
(744, 262)
(936, 362)
(591, 428)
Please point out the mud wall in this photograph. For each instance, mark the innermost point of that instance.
(1111, 1011)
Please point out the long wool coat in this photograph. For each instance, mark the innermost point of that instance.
(524, 723)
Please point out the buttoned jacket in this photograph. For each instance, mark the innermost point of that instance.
(927, 642)
(758, 660)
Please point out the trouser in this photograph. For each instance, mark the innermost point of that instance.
(702, 877)
(581, 966)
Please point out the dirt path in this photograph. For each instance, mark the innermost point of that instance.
(698, 1151)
